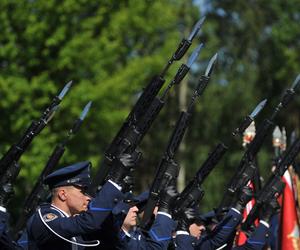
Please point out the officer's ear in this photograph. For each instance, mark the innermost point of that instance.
(62, 194)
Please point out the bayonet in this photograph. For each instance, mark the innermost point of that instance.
(194, 55)
(258, 108)
(65, 90)
(78, 121)
(211, 65)
(296, 83)
(85, 111)
(53, 107)
(196, 29)
(204, 79)
(250, 118)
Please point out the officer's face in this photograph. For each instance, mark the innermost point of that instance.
(131, 217)
(77, 200)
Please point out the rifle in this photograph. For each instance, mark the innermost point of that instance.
(168, 169)
(274, 185)
(246, 168)
(38, 193)
(193, 193)
(146, 109)
(9, 167)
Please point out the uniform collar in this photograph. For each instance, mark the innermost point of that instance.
(63, 212)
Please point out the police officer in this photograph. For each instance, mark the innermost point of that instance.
(72, 213)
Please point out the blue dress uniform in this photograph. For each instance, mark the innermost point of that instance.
(3, 220)
(258, 238)
(109, 233)
(273, 241)
(23, 240)
(159, 235)
(216, 239)
(6, 241)
(51, 228)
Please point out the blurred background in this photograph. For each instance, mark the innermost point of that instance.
(111, 49)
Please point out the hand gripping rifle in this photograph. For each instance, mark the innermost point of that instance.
(246, 168)
(168, 169)
(9, 167)
(274, 186)
(146, 109)
(193, 193)
(39, 193)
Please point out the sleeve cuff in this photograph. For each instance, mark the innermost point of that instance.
(264, 223)
(180, 232)
(2, 209)
(235, 210)
(166, 214)
(126, 233)
(116, 185)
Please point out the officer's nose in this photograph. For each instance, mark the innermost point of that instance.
(88, 198)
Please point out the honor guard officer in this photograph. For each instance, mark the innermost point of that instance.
(220, 235)
(72, 213)
(160, 233)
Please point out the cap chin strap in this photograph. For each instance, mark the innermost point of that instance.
(92, 243)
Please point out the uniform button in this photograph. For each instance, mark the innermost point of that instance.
(116, 200)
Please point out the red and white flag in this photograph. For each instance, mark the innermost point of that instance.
(289, 222)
